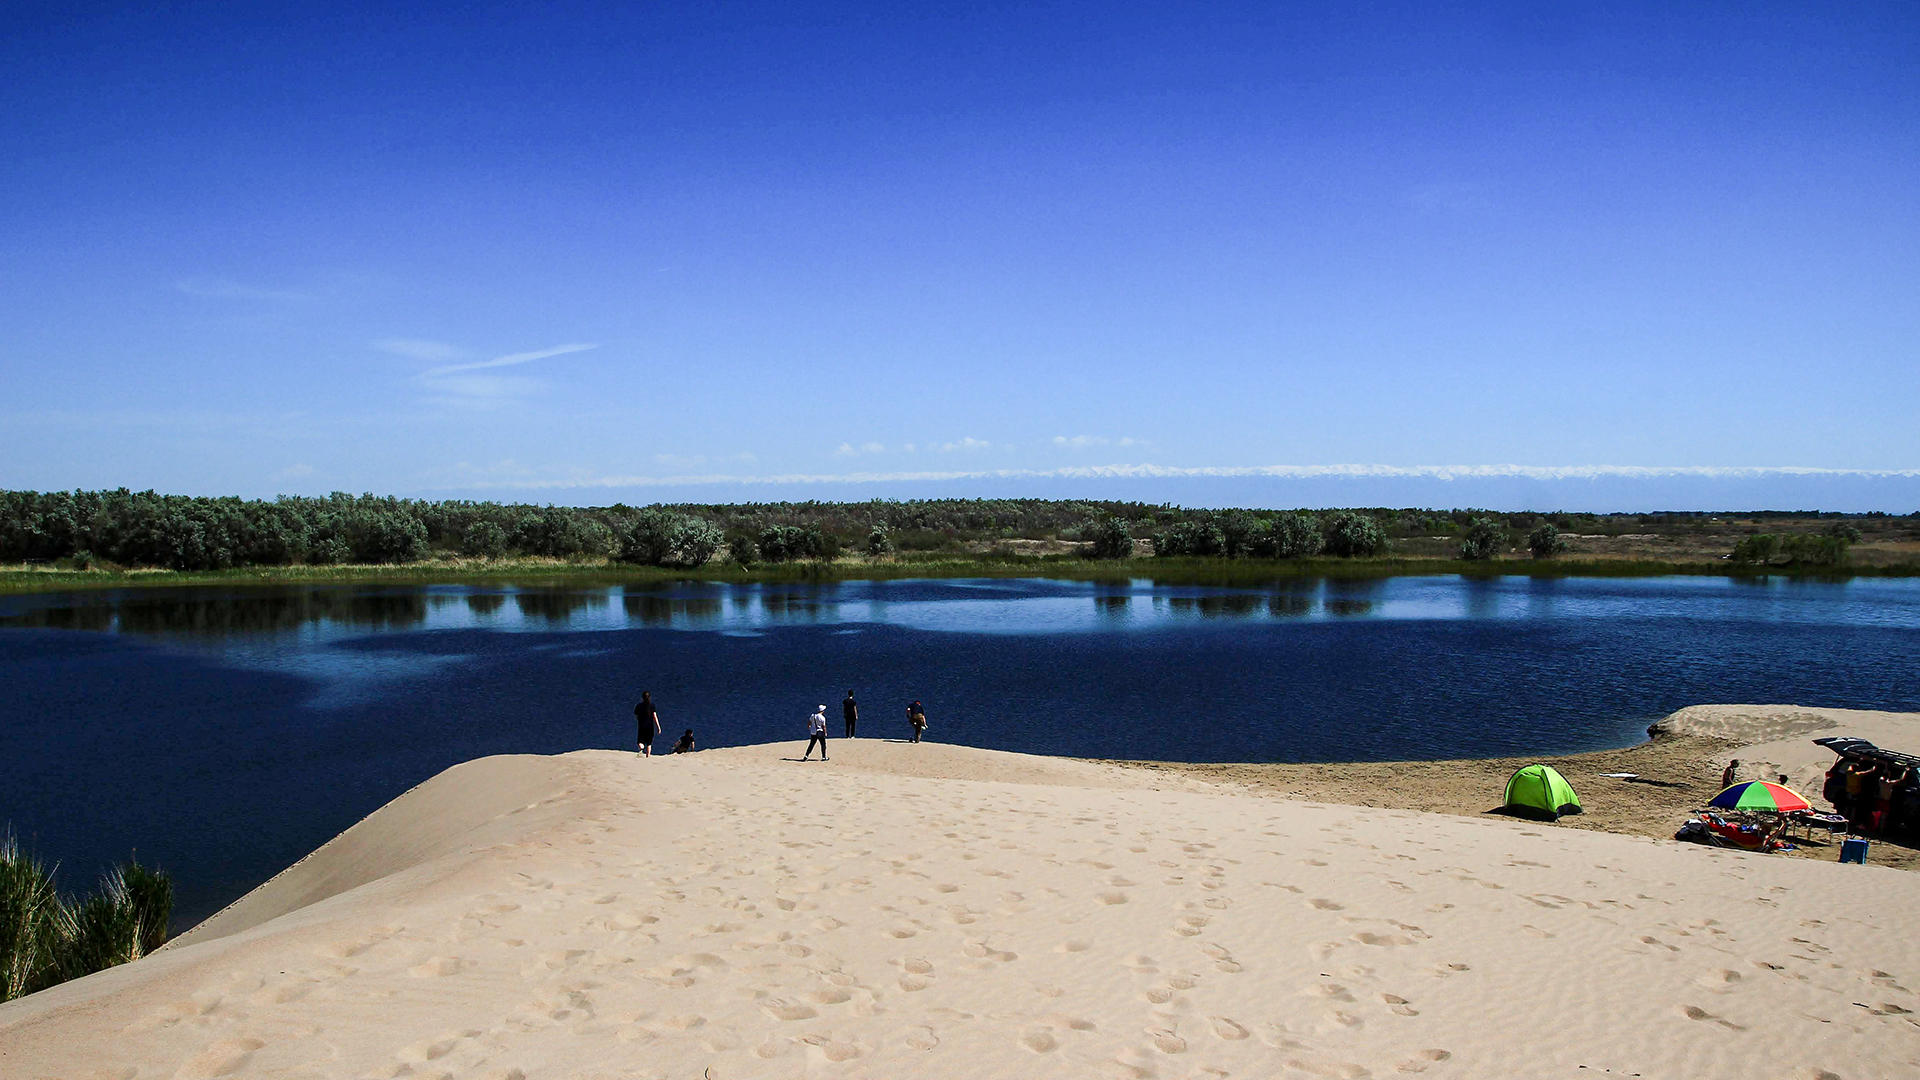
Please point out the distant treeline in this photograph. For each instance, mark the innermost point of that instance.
(145, 529)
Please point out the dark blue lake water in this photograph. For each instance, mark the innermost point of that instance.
(223, 733)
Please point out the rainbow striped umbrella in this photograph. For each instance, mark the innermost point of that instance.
(1760, 795)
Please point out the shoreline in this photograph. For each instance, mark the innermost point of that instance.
(1676, 775)
(23, 580)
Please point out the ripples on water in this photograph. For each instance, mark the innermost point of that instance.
(225, 732)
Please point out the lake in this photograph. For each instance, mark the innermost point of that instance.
(222, 733)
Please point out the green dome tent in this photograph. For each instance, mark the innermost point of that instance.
(1540, 791)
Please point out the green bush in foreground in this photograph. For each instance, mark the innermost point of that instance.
(44, 940)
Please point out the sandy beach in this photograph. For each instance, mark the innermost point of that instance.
(942, 911)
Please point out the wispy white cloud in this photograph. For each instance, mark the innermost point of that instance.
(510, 360)
(582, 478)
(294, 472)
(1084, 442)
(965, 443)
(459, 384)
(418, 349)
(847, 449)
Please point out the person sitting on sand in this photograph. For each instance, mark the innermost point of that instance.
(1731, 773)
(817, 732)
(685, 743)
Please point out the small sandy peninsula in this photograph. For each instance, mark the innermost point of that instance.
(940, 911)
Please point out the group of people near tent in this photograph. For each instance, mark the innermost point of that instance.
(1877, 790)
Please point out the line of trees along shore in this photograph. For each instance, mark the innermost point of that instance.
(192, 533)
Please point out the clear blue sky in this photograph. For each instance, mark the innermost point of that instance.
(566, 252)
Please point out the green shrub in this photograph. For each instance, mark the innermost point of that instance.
(1293, 535)
(1190, 538)
(742, 550)
(1545, 541)
(1485, 539)
(1348, 534)
(1806, 549)
(1758, 548)
(30, 917)
(45, 940)
(484, 540)
(1112, 538)
(879, 541)
(664, 538)
(786, 543)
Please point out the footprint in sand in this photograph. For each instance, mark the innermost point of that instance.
(1694, 1012)
(222, 1058)
(1399, 1005)
(1424, 1060)
(1721, 982)
(1168, 1043)
(1040, 1041)
(781, 1009)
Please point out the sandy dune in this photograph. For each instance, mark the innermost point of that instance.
(939, 911)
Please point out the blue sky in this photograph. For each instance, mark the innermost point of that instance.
(1207, 253)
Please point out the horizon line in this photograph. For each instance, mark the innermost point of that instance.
(1444, 473)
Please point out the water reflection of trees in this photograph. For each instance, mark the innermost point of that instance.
(1348, 598)
(222, 613)
(83, 617)
(657, 610)
(790, 606)
(1112, 606)
(1218, 605)
(1289, 605)
(486, 605)
(554, 605)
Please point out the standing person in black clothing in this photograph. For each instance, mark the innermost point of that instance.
(917, 720)
(648, 722)
(850, 709)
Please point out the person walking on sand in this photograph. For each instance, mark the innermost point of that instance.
(816, 732)
(850, 710)
(917, 720)
(648, 721)
(1732, 772)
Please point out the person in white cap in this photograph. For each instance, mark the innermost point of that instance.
(817, 730)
